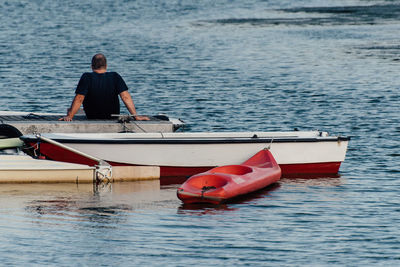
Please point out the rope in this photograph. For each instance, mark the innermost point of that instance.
(127, 118)
(126, 129)
(103, 173)
(269, 146)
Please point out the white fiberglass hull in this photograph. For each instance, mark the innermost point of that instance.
(197, 150)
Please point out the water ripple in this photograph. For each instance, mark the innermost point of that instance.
(226, 66)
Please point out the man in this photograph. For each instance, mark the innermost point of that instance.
(98, 91)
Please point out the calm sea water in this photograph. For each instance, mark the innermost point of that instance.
(219, 66)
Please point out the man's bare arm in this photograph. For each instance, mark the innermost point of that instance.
(76, 104)
(128, 101)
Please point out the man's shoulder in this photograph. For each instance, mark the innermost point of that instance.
(86, 75)
(113, 73)
(94, 75)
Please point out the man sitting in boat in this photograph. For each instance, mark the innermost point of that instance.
(98, 91)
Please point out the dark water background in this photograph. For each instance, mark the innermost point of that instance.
(220, 66)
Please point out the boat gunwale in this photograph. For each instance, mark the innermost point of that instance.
(203, 140)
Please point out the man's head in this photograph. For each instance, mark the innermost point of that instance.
(99, 61)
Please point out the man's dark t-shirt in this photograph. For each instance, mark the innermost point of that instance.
(101, 92)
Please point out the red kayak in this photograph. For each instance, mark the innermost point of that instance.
(223, 183)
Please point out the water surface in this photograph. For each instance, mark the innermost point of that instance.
(219, 66)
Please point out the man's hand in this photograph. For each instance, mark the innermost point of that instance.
(66, 118)
(76, 104)
(141, 118)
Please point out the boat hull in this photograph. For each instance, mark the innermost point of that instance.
(185, 155)
(222, 184)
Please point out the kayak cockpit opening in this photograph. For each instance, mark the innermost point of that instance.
(207, 181)
(233, 169)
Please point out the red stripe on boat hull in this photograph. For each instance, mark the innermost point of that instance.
(311, 168)
(60, 154)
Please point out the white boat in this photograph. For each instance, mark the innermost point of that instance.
(18, 167)
(183, 154)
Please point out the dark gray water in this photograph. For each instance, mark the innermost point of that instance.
(220, 66)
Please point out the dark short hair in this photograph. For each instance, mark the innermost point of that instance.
(99, 61)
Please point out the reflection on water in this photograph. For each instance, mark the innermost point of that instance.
(174, 180)
(111, 203)
(102, 190)
(313, 181)
(205, 208)
(134, 216)
(261, 195)
(107, 203)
